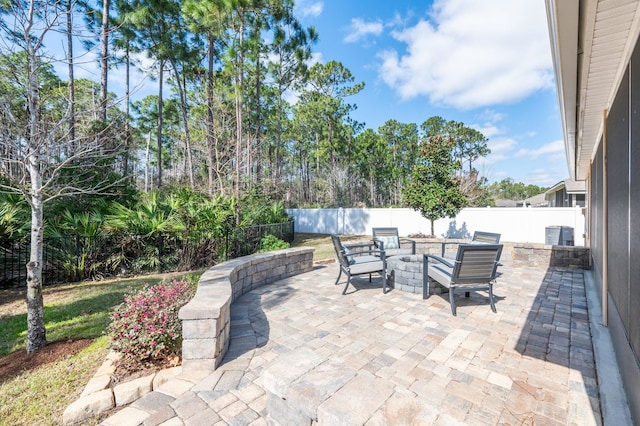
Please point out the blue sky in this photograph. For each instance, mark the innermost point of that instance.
(486, 63)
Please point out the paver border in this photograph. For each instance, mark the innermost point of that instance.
(208, 311)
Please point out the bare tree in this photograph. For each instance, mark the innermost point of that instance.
(50, 164)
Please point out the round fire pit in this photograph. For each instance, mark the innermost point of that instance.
(405, 274)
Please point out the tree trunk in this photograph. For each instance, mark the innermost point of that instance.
(104, 52)
(372, 195)
(146, 164)
(238, 95)
(36, 333)
(127, 99)
(160, 124)
(332, 163)
(278, 160)
(72, 88)
(258, 123)
(185, 119)
(210, 134)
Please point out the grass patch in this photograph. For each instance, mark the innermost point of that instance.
(322, 244)
(72, 311)
(78, 311)
(39, 397)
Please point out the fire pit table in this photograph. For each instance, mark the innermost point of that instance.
(405, 274)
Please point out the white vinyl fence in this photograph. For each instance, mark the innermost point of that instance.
(521, 224)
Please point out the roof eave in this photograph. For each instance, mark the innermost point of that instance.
(563, 22)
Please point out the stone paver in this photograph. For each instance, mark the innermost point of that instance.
(383, 359)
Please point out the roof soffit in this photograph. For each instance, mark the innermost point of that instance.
(607, 34)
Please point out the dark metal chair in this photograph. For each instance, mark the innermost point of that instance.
(479, 237)
(359, 259)
(474, 268)
(387, 239)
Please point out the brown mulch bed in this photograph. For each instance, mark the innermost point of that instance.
(17, 362)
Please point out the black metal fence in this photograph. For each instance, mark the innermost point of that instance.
(74, 258)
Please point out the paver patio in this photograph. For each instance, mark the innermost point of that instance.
(530, 363)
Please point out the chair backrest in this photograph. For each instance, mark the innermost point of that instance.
(340, 250)
(486, 237)
(388, 236)
(384, 232)
(476, 263)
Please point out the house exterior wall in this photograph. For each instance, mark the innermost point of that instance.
(561, 198)
(622, 186)
(595, 212)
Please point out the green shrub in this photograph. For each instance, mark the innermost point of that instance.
(270, 242)
(145, 329)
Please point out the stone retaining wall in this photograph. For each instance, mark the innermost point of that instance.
(521, 254)
(205, 319)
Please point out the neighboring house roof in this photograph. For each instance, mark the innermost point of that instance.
(570, 185)
(506, 203)
(537, 201)
(590, 48)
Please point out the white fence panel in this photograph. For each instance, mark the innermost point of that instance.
(522, 224)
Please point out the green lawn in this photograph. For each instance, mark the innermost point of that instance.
(323, 245)
(72, 311)
(77, 311)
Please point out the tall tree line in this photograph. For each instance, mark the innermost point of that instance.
(240, 109)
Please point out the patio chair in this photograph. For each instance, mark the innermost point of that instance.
(387, 239)
(479, 237)
(474, 269)
(359, 259)
(485, 237)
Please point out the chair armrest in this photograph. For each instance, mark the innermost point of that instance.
(439, 259)
(444, 245)
(410, 241)
(377, 243)
(373, 252)
(358, 245)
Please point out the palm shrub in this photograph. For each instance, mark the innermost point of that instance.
(14, 216)
(260, 210)
(75, 241)
(145, 328)
(140, 229)
(209, 222)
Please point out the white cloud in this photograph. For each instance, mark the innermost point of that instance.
(309, 8)
(500, 149)
(316, 57)
(545, 177)
(487, 129)
(492, 115)
(472, 53)
(554, 149)
(360, 29)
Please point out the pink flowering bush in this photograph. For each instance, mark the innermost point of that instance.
(145, 329)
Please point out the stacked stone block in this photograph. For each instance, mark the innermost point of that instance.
(206, 320)
(521, 254)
